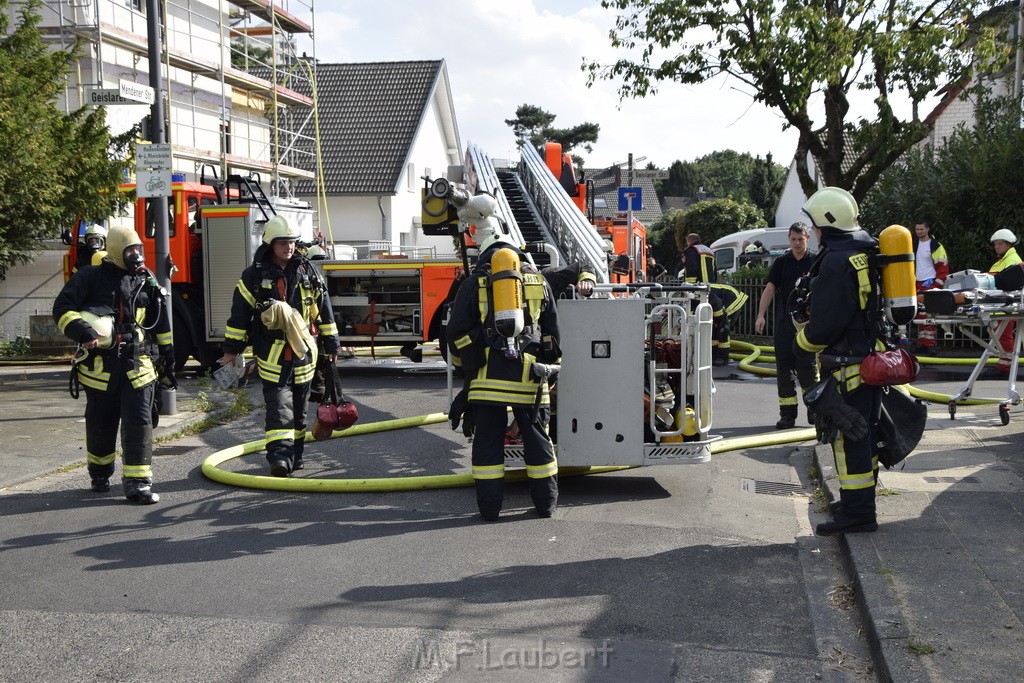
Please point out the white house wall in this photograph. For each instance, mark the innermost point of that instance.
(28, 291)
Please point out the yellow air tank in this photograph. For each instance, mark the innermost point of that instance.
(898, 286)
(507, 297)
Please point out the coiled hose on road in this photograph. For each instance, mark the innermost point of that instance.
(211, 465)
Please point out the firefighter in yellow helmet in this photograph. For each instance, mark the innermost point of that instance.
(840, 329)
(114, 312)
(498, 347)
(282, 299)
(1003, 242)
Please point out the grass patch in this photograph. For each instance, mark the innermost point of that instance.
(887, 492)
(813, 472)
(919, 647)
(886, 571)
(240, 406)
(203, 403)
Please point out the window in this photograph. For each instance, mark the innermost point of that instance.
(410, 177)
(600, 203)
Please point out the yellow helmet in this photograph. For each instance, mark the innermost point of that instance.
(120, 240)
(833, 207)
(278, 228)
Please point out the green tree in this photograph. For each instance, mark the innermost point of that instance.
(968, 188)
(57, 166)
(765, 186)
(718, 218)
(533, 124)
(800, 57)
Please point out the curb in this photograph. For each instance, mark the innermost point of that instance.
(885, 625)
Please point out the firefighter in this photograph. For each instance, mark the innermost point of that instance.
(699, 267)
(1003, 241)
(782, 279)
(842, 327)
(108, 309)
(931, 266)
(280, 306)
(499, 375)
(91, 251)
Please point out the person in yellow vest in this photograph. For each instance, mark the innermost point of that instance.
(1003, 241)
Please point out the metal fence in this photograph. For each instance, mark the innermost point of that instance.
(949, 338)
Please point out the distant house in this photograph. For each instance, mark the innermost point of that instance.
(607, 182)
(383, 125)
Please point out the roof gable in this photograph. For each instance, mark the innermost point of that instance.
(369, 114)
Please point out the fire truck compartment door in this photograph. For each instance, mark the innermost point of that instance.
(231, 235)
(601, 384)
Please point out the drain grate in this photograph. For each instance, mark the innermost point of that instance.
(952, 480)
(770, 488)
(172, 450)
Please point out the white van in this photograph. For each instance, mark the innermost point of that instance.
(729, 249)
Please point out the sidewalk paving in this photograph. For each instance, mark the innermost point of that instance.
(941, 583)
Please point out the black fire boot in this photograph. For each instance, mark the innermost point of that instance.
(788, 417)
(140, 490)
(100, 484)
(846, 525)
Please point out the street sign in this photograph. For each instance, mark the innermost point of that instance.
(631, 199)
(155, 156)
(153, 183)
(652, 173)
(136, 92)
(101, 96)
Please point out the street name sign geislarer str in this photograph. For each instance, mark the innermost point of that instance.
(127, 92)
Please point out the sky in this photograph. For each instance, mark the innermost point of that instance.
(501, 54)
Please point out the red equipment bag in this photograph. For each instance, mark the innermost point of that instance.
(889, 368)
(335, 412)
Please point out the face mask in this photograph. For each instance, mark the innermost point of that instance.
(134, 259)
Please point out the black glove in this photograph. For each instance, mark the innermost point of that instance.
(824, 397)
(461, 412)
(165, 367)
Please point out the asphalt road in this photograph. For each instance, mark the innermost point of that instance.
(657, 574)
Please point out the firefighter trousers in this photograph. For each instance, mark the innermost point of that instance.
(124, 406)
(786, 377)
(857, 460)
(489, 457)
(285, 422)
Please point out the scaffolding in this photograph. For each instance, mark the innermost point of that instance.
(233, 80)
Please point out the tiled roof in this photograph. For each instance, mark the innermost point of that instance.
(606, 185)
(369, 114)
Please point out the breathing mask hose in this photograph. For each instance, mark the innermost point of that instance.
(899, 291)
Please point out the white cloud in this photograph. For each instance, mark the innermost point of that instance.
(504, 54)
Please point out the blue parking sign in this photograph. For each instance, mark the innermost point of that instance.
(631, 199)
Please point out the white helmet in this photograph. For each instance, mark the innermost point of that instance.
(1003, 234)
(278, 228)
(96, 236)
(104, 326)
(833, 207)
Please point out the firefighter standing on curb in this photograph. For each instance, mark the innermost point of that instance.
(782, 279)
(107, 310)
(840, 327)
(282, 300)
(499, 373)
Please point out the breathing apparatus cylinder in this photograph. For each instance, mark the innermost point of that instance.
(507, 298)
(898, 285)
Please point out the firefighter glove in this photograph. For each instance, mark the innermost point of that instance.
(166, 367)
(825, 399)
(461, 412)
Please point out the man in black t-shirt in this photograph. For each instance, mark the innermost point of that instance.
(782, 277)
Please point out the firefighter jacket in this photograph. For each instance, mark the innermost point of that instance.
(474, 343)
(842, 296)
(135, 304)
(561, 278)
(300, 286)
(699, 264)
(1010, 258)
(939, 259)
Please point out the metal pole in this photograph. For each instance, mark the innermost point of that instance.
(158, 134)
(629, 223)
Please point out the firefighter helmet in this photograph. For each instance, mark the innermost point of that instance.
(104, 326)
(124, 248)
(1003, 234)
(96, 236)
(278, 228)
(832, 207)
